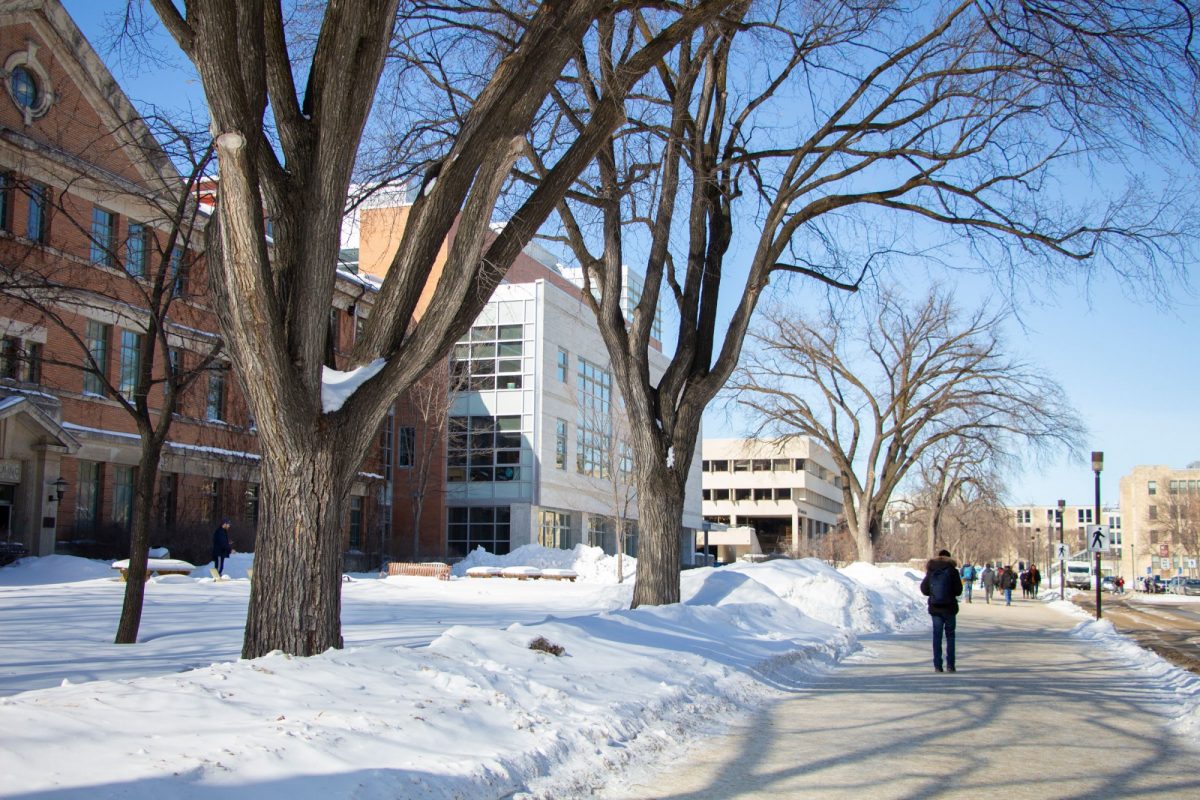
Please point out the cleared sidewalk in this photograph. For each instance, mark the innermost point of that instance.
(1032, 712)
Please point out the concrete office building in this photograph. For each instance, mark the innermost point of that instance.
(789, 493)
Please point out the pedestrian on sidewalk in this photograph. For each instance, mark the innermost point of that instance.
(968, 580)
(1008, 582)
(1035, 579)
(988, 579)
(222, 548)
(942, 585)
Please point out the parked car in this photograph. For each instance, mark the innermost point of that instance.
(1157, 585)
(1191, 586)
(1175, 585)
(1108, 583)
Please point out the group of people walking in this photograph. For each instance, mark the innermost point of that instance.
(1004, 578)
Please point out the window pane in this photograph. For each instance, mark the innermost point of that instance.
(104, 226)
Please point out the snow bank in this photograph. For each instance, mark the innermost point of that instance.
(590, 563)
(475, 714)
(1180, 700)
(37, 570)
(838, 599)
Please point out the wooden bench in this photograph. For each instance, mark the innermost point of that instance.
(521, 573)
(156, 566)
(433, 569)
(559, 575)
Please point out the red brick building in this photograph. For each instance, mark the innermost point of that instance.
(85, 196)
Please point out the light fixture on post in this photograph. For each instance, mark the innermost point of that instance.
(60, 488)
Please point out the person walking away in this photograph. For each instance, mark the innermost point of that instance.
(1035, 580)
(988, 580)
(222, 547)
(942, 586)
(968, 580)
(1025, 580)
(1008, 582)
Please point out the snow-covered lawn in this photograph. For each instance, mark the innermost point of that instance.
(437, 693)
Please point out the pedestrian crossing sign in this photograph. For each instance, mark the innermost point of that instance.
(1062, 551)
(1097, 539)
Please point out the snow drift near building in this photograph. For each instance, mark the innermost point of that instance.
(474, 713)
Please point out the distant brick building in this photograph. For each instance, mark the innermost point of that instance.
(81, 180)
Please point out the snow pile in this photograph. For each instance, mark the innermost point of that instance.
(590, 563)
(237, 567)
(477, 713)
(338, 386)
(35, 571)
(821, 592)
(1180, 700)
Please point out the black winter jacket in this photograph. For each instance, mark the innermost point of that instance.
(956, 586)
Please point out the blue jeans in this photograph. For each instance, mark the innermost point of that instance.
(943, 623)
(1008, 597)
(967, 586)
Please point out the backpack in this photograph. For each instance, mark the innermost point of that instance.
(941, 592)
(968, 573)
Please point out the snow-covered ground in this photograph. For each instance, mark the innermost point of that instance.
(437, 693)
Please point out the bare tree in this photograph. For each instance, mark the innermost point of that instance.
(319, 85)
(784, 138)
(923, 380)
(959, 470)
(429, 400)
(142, 280)
(615, 471)
(1177, 519)
(956, 503)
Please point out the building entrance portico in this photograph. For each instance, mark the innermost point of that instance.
(32, 440)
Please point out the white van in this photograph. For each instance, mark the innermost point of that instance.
(1079, 575)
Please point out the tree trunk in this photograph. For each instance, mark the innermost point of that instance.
(418, 506)
(621, 551)
(296, 595)
(660, 514)
(864, 537)
(139, 542)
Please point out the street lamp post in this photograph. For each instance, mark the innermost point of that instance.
(1097, 466)
(1062, 563)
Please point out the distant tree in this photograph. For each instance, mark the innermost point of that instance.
(959, 472)
(142, 279)
(886, 396)
(1177, 519)
(801, 139)
(429, 399)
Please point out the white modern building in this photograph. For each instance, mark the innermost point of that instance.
(535, 452)
(788, 493)
(534, 447)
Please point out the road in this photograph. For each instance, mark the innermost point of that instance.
(1032, 712)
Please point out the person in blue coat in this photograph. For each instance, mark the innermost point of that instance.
(222, 547)
(968, 580)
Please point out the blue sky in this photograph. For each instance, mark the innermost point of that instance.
(1129, 364)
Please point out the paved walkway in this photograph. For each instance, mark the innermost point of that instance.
(1031, 713)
